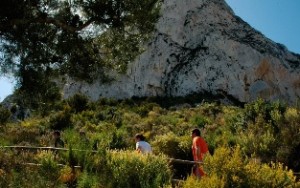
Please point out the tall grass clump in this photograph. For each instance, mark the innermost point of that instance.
(7, 163)
(178, 147)
(131, 169)
(173, 146)
(88, 180)
(49, 168)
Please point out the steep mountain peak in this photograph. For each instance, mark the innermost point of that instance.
(201, 46)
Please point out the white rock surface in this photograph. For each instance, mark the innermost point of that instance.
(201, 47)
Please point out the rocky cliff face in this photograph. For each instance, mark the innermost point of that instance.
(200, 46)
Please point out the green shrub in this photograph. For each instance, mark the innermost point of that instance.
(260, 142)
(171, 119)
(235, 121)
(200, 121)
(49, 168)
(97, 163)
(129, 120)
(208, 182)
(4, 115)
(144, 108)
(7, 160)
(85, 117)
(172, 145)
(23, 135)
(210, 109)
(175, 147)
(106, 101)
(273, 175)
(13, 173)
(7, 163)
(78, 102)
(219, 136)
(261, 110)
(228, 168)
(61, 120)
(289, 151)
(76, 140)
(30, 177)
(117, 141)
(88, 180)
(131, 169)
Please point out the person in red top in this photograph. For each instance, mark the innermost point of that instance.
(199, 149)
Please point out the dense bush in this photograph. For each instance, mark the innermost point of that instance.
(4, 115)
(270, 112)
(131, 169)
(228, 168)
(176, 147)
(88, 180)
(173, 146)
(289, 137)
(78, 102)
(61, 120)
(17, 135)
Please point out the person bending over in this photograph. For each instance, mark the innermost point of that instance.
(141, 145)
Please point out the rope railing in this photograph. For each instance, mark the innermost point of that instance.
(45, 148)
(181, 161)
(37, 164)
(172, 160)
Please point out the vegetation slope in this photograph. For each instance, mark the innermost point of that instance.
(254, 145)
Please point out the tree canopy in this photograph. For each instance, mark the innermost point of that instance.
(79, 38)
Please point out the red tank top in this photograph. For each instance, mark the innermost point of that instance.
(199, 143)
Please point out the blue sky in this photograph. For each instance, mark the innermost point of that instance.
(6, 87)
(276, 19)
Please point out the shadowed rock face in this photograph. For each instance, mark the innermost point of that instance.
(200, 46)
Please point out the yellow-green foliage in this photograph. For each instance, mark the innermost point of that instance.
(200, 121)
(7, 160)
(84, 118)
(172, 145)
(49, 168)
(208, 182)
(178, 147)
(16, 134)
(266, 131)
(292, 114)
(32, 122)
(273, 175)
(132, 169)
(228, 168)
(290, 130)
(258, 141)
(88, 180)
(14, 173)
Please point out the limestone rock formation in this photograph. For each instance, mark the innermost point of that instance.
(201, 46)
